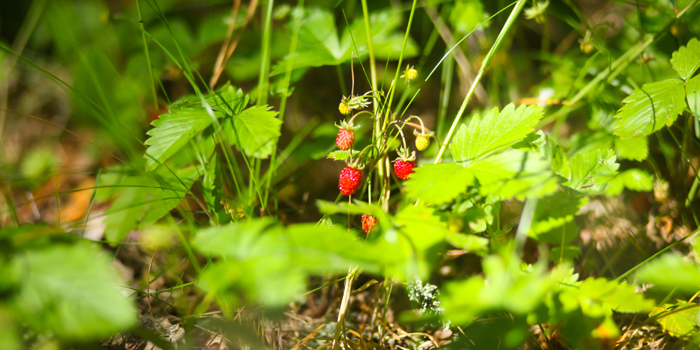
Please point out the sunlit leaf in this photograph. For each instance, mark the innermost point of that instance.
(439, 183)
(493, 132)
(71, 291)
(254, 130)
(692, 90)
(687, 59)
(173, 131)
(678, 320)
(634, 179)
(591, 171)
(515, 174)
(650, 108)
(598, 297)
(635, 148)
(671, 272)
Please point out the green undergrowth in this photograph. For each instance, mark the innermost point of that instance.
(229, 196)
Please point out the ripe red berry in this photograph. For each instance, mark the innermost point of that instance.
(345, 139)
(349, 181)
(369, 222)
(403, 169)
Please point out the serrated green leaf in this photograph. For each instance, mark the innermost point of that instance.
(339, 155)
(678, 320)
(650, 108)
(634, 179)
(141, 200)
(470, 243)
(552, 151)
(554, 211)
(171, 132)
(692, 90)
(636, 148)
(670, 272)
(71, 291)
(687, 59)
(254, 130)
(590, 171)
(514, 174)
(598, 297)
(493, 132)
(320, 45)
(438, 183)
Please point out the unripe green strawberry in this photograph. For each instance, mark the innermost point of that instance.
(369, 222)
(349, 181)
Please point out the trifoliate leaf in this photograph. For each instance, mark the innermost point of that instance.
(493, 132)
(636, 148)
(670, 272)
(438, 183)
(634, 179)
(678, 320)
(687, 59)
(71, 291)
(515, 174)
(172, 131)
(692, 90)
(590, 171)
(254, 130)
(650, 108)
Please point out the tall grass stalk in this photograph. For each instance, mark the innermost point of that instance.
(485, 64)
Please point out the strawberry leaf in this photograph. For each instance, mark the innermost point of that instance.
(598, 297)
(71, 291)
(439, 183)
(678, 320)
(320, 45)
(685, 276)
(493, 132)
(591, 170)
(515, 173)
(173, 131)
(692, 90)
(634, 179)
(141, 200)
(635, 148)
(648, 109)
(687, 59)
(254, 130)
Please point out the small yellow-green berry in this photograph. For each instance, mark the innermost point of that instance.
(344, 108)
(422, 142)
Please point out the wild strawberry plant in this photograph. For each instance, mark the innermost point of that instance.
(478, 216)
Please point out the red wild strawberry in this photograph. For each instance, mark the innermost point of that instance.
(404, 164)
(349, 181)
(369, 222)
(345, 139)
(346, 135)
(403, 169)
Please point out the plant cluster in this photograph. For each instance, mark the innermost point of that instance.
(227, 215)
